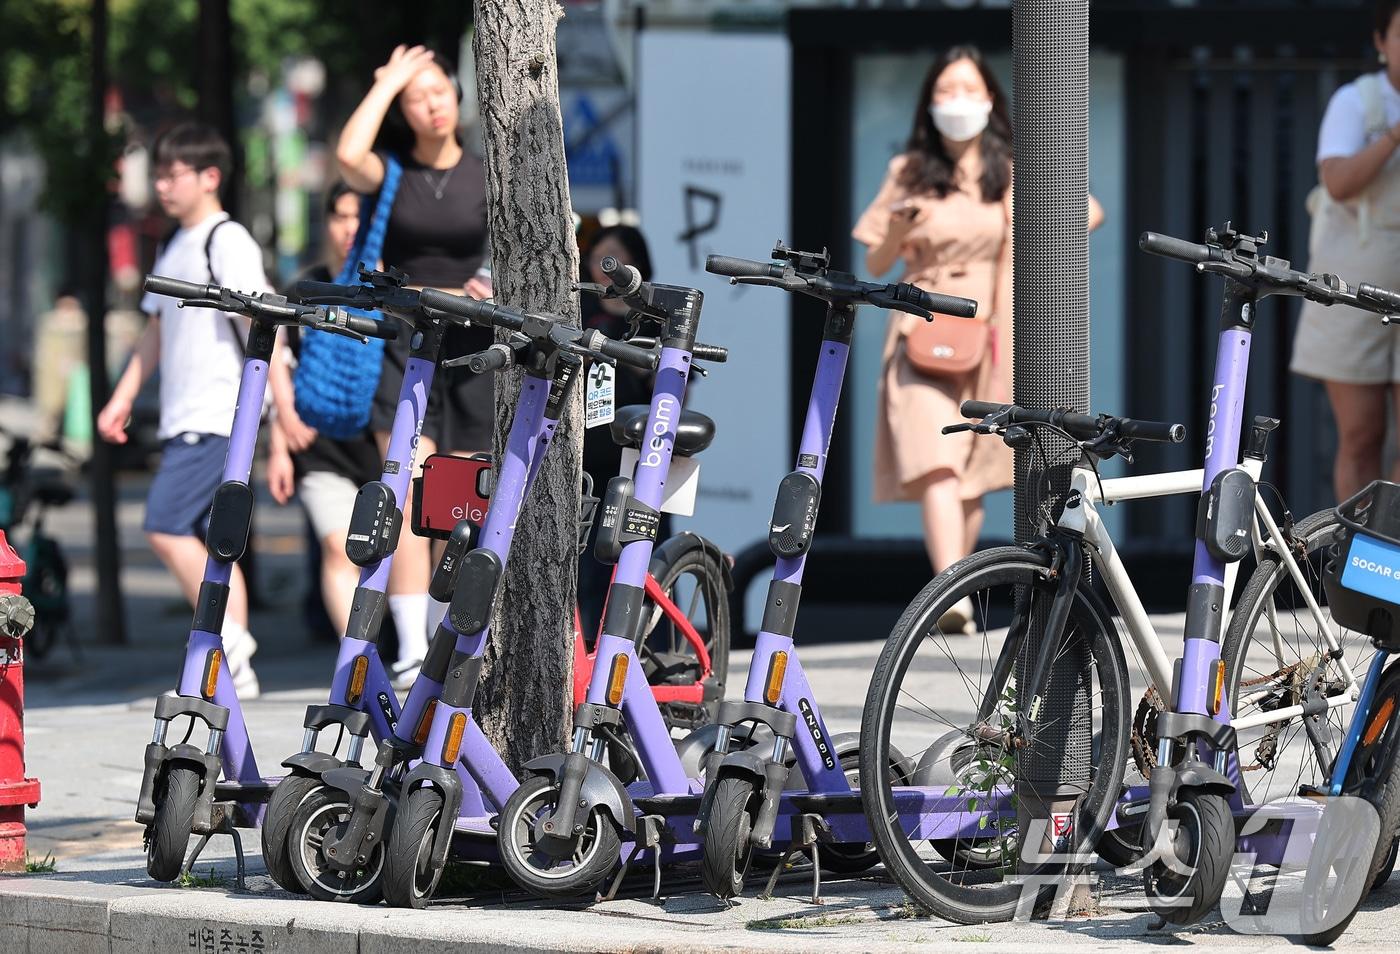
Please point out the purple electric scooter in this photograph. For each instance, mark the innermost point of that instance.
(552, 828)
(752, 795)
(362, 701)
(181, 791)
(390, 828)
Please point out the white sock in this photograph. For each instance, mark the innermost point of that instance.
(411, 620)
(437, 609)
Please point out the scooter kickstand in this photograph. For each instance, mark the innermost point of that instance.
(224, 827)
(648, 836)
(813, 829)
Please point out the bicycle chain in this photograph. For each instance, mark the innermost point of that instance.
(1144, 734)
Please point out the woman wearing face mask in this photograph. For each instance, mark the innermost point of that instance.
(437, 235)
(944, 213)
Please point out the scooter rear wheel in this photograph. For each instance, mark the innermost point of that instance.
(169, 835)
(277, 827)
(727, 848)
(568, 869)
(411, 871)
(327, 812)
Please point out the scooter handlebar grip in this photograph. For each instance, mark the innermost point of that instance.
(641, 358)
(174, 288)
(460, 306)
(1168, 247)
(716, 354)
(1381, 296)
(942, 304)
(741, 267)
(624, 278)
(370, 328)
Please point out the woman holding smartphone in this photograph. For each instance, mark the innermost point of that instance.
(944, 214)
(438, 236)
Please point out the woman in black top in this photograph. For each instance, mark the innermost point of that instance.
(437, 235)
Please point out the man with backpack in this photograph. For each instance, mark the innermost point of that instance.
(199, 353)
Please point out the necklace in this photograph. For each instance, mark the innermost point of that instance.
(441, 185)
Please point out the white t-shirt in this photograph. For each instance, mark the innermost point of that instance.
(200, 362)
(1343, 131)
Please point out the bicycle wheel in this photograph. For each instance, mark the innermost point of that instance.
(1276, 656)
(694, 584)
(948, 699)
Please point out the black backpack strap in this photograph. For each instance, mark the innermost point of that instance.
(214, 280)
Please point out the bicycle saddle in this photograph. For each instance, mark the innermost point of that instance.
(53, 494)
(693, 434)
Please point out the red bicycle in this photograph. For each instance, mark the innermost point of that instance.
(684, 645)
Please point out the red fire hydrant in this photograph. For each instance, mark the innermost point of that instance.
(16, 791)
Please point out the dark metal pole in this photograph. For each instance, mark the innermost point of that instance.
(214, 83)
(111, 615)
(1051, 344)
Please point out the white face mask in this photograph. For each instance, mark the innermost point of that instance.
(961, 119)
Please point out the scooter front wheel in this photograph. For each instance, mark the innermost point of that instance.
(287, 797)
(322, 815)
(411, 870)
(1183, 890)
(554, 868)
(169, 834)
(728, 849)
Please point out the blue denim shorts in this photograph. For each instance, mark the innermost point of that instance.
(191, 468)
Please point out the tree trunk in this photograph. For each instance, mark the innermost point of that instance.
(524, 704)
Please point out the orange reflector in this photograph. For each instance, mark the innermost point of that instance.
(420, 734)
(358, 670)
(1218, 690)
(453, 746)
(1378, 722)
(617, 679)
(211, 672)
(777, 669)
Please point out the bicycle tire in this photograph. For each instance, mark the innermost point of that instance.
(1316, 533)
(1000, 566)
(705, 565)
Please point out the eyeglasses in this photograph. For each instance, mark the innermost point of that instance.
(166, 178)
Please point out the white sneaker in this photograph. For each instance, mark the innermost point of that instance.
(959, 619)
(404, 672)
(245, 681)
(239, 650)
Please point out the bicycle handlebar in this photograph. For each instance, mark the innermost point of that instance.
(1083, 427)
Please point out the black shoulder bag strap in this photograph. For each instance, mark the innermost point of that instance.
(238, 339)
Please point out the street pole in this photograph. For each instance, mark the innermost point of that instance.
(111, 614)
(1051, 361)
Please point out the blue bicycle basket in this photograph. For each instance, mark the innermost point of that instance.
(1362, 570)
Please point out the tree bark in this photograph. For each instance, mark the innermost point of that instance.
(524, 705)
